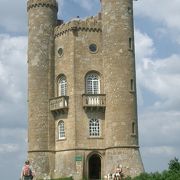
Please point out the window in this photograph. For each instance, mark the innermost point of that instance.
(93, 48)
(130, 44)
(133, 128)
(92, 83)
(61, 131)
(62, 86)
(94, 128)
(60, 52)
(132, 85)
(129, 10)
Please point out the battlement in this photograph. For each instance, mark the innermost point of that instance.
(88, 24)
(42, 3)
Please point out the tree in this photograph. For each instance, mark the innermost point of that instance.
(173, 173)
(174, 165)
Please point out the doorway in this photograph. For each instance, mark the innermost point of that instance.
(94, 166)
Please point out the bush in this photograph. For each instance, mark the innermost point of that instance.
(173, 173)
(174, 165)
(66, 178)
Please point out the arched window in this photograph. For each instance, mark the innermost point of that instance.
(61, 131)
(92, 83)
(62, 86)
(94, 128)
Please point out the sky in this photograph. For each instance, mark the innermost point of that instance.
(157, 42)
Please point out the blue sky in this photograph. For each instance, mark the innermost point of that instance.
(157, 37)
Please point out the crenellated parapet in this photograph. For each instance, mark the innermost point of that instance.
(42, 3)
(91, 24)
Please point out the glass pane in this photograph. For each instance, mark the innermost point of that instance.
(92, 84)
(94, 129)
(62, 86)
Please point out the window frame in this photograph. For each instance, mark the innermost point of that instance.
(94, 128)
(93, 83)
(62, 85)
(61, 130)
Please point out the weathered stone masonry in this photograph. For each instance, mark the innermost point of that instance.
(82, 92)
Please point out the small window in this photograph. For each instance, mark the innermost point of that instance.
(129, 10)
(62, 86)
(132, 85)
(60, 52)
(94, 128)
(130, 44)
(61, 131)
(92, 83)
(133, 128)
(93, 48)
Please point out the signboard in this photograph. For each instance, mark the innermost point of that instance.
(78, 158)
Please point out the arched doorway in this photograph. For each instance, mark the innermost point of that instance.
(94, 165)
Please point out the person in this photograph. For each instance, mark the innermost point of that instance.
(118, 173)
(26, 173)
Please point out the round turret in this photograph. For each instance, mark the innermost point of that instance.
(120, 86)
(42, 18)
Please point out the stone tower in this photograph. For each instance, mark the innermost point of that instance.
(119, 82)
(82, 92)
(42, 20)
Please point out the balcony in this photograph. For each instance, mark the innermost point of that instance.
(59, 104)
(94, 101)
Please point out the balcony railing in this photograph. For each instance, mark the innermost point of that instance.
(94, 101)
(59, 104)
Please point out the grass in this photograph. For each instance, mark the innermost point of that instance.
(65, 178)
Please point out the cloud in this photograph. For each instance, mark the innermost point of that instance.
(13, 79)
(13, 111)
(6, 148)
(158, 81)
(161, 150)
(13, 148)
(159, 76)
(13, 16)
(157, 158)
(159, 128)
(144, 46)
(165, 13)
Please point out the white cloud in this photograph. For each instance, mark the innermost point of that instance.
(13, 134)
(159, 127)
(13, 79)
(165, 13)
(13, 122)
(159, 122)
(8, 148)
(144, 46)
(160, 150)
(13, 148)
(159, 76)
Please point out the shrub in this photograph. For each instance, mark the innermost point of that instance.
(173, 173)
